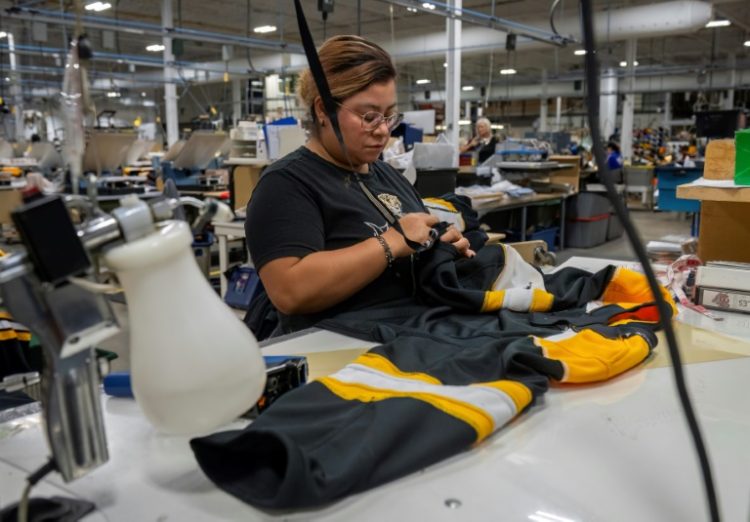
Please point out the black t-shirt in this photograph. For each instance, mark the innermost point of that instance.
(486, 151)
(304, 204)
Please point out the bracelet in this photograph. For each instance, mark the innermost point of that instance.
(386, 249)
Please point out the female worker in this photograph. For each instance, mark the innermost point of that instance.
(484, 142)
(320, 245)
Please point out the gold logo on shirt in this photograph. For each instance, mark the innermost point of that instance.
(392, 202)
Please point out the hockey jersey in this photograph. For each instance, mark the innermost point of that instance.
(482, 343)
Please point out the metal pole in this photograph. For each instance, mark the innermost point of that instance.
(543, 104)
(170, 89)
(236, 101)
(667, 123)
(453, 75)
(15, 88)
(729, 100)
(608, 102)
(628, 107)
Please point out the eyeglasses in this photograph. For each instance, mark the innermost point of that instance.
(372, 120)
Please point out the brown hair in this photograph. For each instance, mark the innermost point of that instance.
(351, 64)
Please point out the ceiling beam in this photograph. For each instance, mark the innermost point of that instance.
(143, 28)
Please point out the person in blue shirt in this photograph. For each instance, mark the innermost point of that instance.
(614, 157)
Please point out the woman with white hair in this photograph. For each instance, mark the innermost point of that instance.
(484, 142)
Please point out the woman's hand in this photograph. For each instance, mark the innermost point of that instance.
(416, 226)
(455, 238)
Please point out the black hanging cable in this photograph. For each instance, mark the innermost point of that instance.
(331, 108)
(552, 10)
(665, 312)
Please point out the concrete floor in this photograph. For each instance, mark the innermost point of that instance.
(651, 226)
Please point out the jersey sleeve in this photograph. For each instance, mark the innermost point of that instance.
(283, 220)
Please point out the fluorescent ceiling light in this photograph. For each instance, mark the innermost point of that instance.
(3, 34)
(464, 122)
(143, 94)
(412, 9)
(264, 29)
(113, 94)
(467, 88)
(428, 5)
(580, 52)
(718, 23)
(496, 126)
(747, 44)
(445, 64)
(507, 71)
(98, 6)
(423, 81)
(625, 64)
(155, 48)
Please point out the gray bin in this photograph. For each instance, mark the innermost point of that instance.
(639, 176)
(587, 205)
(614, 228)
(586, 234)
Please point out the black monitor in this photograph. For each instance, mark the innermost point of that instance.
(719, 124)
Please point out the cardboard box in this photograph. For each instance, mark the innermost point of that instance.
(719, 163)
(742, 157)
(724, 232)
(570, 175)
(9, 200)
(245, 179)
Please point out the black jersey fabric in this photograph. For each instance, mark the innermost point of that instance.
(396, 409)
(304, 204)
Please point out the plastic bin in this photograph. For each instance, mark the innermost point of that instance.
(548, 235)
(614, 228)
(639, 176)
(436, 182)
(244, 284)
(587, 205)
(587, 232)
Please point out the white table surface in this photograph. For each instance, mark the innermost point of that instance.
(614, 451)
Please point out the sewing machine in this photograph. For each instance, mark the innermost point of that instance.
(186, 162)
(56, 288)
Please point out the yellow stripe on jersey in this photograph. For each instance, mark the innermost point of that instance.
(541, 301)
(8, 335)
(628, 286)
(518, 392)
(380, 363)
(471, 415)
(590, 357)
(493, 300)
(485, 407)
(441, 203)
